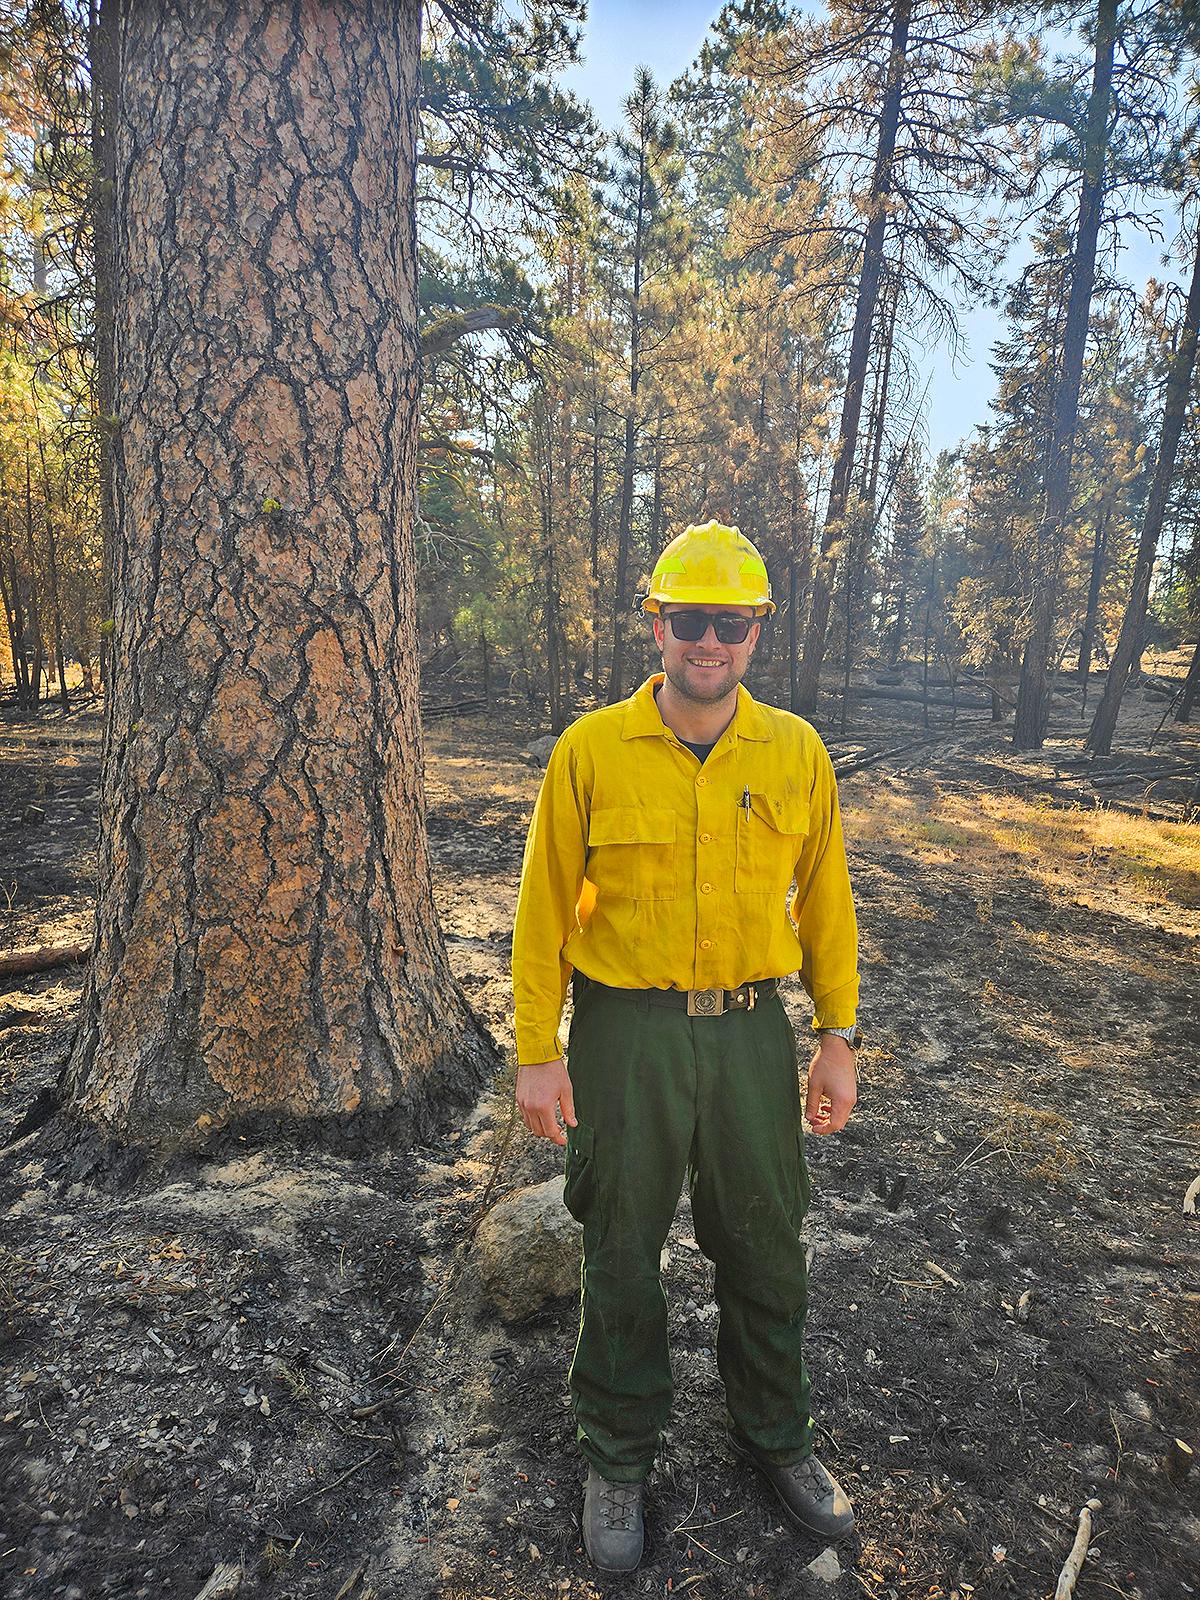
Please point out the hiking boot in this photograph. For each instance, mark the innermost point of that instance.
(811, 1495)
(612, 1523)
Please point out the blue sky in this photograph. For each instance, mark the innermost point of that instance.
(620, 36)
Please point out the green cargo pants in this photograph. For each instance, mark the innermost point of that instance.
(658, 1095)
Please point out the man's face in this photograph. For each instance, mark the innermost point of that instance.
(706, 670)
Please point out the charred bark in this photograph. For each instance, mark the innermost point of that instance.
(266, 944)
(1131, 638)
(1033, 695)
(856, 375)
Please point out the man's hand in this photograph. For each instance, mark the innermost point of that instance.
(832, 1085)
(541, 1090)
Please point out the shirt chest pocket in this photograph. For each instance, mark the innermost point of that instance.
(769, 839)
(631, 852)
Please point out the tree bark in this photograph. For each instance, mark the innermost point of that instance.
(1099, 550)
(1190, 686)
(856, 374)
(1033, 700)
(1130, 640)
(616, 675)
(266, 944)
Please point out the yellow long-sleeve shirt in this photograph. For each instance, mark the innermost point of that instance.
(644, 869)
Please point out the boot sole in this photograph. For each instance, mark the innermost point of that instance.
(830, 1535)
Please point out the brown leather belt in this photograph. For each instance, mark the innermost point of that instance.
(696, 1002)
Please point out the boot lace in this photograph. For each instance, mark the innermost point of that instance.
(807, 1468)
(619, 1504)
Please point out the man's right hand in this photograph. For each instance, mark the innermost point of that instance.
(541, 1090)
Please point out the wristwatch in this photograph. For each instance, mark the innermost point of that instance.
(853, 1036)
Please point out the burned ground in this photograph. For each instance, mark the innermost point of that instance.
(277, 1358)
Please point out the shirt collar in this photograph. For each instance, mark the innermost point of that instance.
(642, 716)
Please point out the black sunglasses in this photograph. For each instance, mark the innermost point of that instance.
(691, 626)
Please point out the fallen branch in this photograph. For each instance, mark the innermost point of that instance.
(42, 959)
(1189, 1199)
(1073, 1565)
(224, 1583)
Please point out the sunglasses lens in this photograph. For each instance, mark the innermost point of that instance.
(732, 630)
(688, 625)
(693, 625)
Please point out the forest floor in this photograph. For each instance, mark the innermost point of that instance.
(272, 1360)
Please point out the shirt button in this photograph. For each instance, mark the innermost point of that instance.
(706, 888)
(706, 944)
(700, 782)
(706, 838)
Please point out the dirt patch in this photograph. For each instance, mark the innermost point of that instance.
(271, 1358)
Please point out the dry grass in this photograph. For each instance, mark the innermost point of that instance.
(1037, 1141)
(1155, 863)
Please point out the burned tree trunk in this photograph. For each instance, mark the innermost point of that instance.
(1033, 692)
(1129, 643)
(266, 943)
(835, 530)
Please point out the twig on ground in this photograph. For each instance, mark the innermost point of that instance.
(1189, 1199)
(330, 1371)
(351, 1582)
(325, 1488)
(1112, 1417)
(940, 1272)
(695, 1502)
(1073, 1565)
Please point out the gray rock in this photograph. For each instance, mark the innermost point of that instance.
(826, 1567)
(538, 753)
(527, 1251)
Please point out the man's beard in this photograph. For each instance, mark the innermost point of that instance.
(703, 692)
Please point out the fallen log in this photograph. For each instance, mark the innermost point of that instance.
(866, 691)
(20, 962)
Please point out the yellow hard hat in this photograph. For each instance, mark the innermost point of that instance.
(710, 565)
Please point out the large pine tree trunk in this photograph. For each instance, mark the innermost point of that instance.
(266, 943)
(808, 681)
(1130, 641)
(1033, 696)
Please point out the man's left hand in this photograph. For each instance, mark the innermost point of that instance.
(832, 1085)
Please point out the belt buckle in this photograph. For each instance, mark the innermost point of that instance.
(705, 1002)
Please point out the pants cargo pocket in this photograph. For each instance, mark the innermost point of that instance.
(580, 1186)
(805, 1179)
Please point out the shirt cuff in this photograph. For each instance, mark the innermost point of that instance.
(833, 1018)
(533, 1050)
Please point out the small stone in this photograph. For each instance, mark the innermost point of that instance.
(826, 1567)
(534, 1553)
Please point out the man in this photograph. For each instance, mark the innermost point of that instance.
(667, 833)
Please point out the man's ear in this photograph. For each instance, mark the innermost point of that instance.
(754, 633)
(658, 630)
